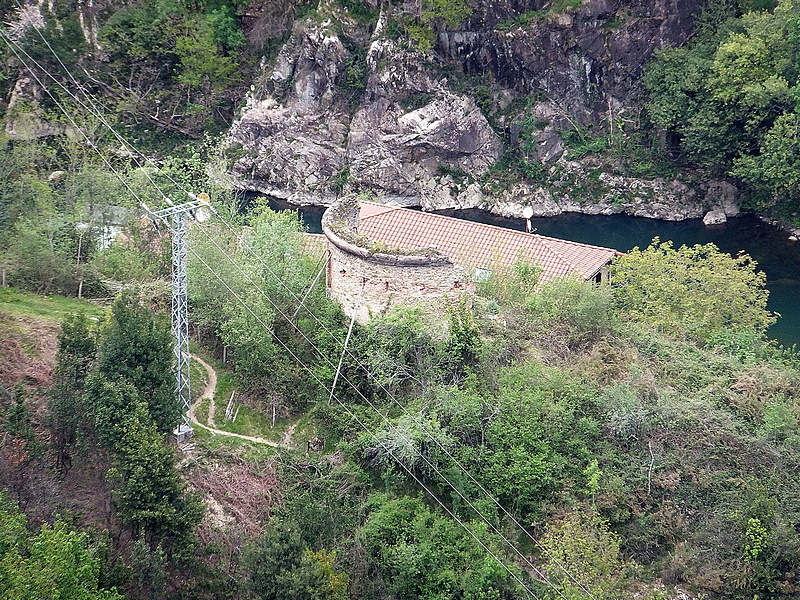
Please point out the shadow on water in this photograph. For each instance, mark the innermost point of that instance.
(769, 246)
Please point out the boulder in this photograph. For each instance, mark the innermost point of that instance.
(722, 196)
(403, 152)
(715, 217)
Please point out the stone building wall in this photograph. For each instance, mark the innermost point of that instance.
(367, 283)
(366, 287)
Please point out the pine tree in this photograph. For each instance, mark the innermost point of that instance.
(137, 348)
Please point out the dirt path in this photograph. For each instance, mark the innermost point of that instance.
(286, 438)
(208, 392)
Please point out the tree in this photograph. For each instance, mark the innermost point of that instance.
(318, 578)
(681, 102)
(77, 349)
(56, 563)
(150, 495)
(281, 567)
(109, 402)
(421, 554)
(272, 559)
(136, 350)
(730, 100)
(271, 275)
(775, 170)
(583, 557)
(168, 64)
(691, 292)
(755, 68)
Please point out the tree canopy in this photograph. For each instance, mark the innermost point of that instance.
(731, 99)
(55, 563)
(693, 292)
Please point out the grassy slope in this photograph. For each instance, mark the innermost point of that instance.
(48, 308)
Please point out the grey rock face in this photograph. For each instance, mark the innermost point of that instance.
(722, 196)
(588, 60)
(407, 136)
(297, 145)
(714, 217)
(401, 152)
(28, 123)
(294, 137)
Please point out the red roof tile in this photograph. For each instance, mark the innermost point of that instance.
(473, 245)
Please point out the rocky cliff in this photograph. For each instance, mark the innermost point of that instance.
(489, 117)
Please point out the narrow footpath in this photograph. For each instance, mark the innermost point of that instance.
(208, 393)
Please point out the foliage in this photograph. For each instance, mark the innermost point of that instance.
(172, 67)
(536, 438)
(42, 256)
(692, 291)
(148, 566)
(77, 348)
(150, 496)
(18, 419)
(124, 387)
(413, 443)
(57, 562)
(461, 350)
(775, 169)
(511, 288)
(427, 14)
(583, 557)
(398, 352)
(581, 142)
(55, 209)
(282, 567)
(269, 274)
(421, 554)
(108, 404)
(135, 352)
(730, 100)
(578, 310)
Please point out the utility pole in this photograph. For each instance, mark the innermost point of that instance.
(175, 218)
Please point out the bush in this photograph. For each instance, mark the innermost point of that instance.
(578, 311)
(692, 292)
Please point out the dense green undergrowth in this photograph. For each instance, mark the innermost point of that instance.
(637, 436)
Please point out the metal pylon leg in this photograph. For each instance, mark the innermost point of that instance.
(180, 322)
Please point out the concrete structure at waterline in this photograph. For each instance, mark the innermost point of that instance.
(383, 255)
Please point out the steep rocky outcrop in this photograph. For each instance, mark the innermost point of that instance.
(304, 141)
(587, 60)
(402, 150)
(294, 136)
(346, 109)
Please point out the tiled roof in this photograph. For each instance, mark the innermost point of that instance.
(473, 245)
(314, 243)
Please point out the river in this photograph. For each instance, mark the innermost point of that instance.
(769, 246)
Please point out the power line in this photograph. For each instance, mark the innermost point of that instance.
(295, 357)
(363, 426)
(393, 427)
(301, 305)
(424, 429)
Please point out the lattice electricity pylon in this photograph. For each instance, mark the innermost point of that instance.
(175, 218)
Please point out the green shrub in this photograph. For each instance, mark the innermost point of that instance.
(693, 292)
